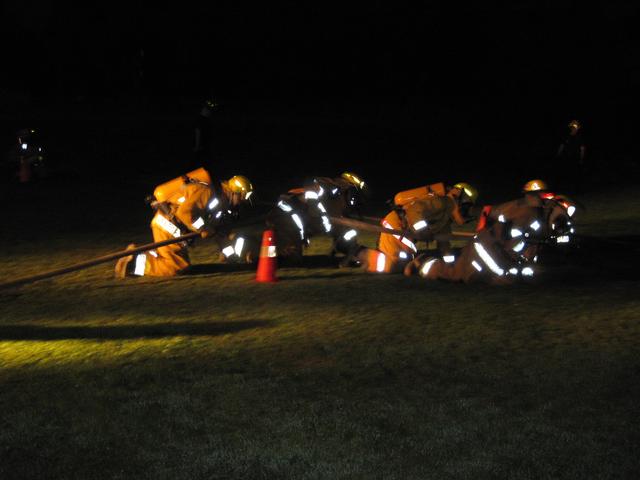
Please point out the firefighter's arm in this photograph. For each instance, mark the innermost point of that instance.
(220, 222)
(192, 212)
(457, 217)
(416, 222)
(207, 232)
(190, 218)
(216, 223)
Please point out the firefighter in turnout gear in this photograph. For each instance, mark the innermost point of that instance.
(558, 210)
(190, 203)
(511, 239)
(305, 212)
(422, 213)
(533, 195)
(501, 253)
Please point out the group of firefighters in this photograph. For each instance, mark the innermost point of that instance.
(503, 248)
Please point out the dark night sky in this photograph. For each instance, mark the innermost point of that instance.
(285, 49)
(492, 82)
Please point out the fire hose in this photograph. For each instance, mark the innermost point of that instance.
(369, 227)
(114, 256)
(96, 261)
(348, 222)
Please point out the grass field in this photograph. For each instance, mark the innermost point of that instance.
(329, 373)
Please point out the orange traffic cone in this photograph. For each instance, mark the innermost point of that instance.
(267, 263)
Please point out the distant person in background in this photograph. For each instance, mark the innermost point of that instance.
(571, 171)
(26, 159)
(138, 73)
(203, 134)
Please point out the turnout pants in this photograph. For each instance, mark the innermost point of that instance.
(164, 261)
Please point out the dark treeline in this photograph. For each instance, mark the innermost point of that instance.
(312, 89)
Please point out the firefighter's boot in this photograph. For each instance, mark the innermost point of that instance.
(413, 267)
(124, 265)
(351, 260)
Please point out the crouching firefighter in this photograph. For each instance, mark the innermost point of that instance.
(559, 211)
(499, 254)
(424, 214)
(190, 203)
(305, 212)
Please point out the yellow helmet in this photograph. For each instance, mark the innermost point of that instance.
(240, 184)
(468, 193)
(535, 186)
(354, 179)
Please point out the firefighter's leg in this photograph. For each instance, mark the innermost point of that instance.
(375, 261)
(289, 240)
(393, 255)
(236, 247)
(251, 250)
(437, 268)
(125, 265)
(346, 242)
(431, 268)
(164, 261)
(464, 269)
(422, 265)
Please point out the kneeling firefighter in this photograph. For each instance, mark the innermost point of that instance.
(423, 213)
(190, 203)
(305, 212)
(500, 253)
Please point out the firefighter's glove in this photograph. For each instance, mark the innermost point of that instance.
(208, 231)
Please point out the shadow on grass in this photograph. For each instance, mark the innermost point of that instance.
(208, 268)
(594, 259)
(621, 241)
(123, 332)
(307, 261)
(314, 276)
